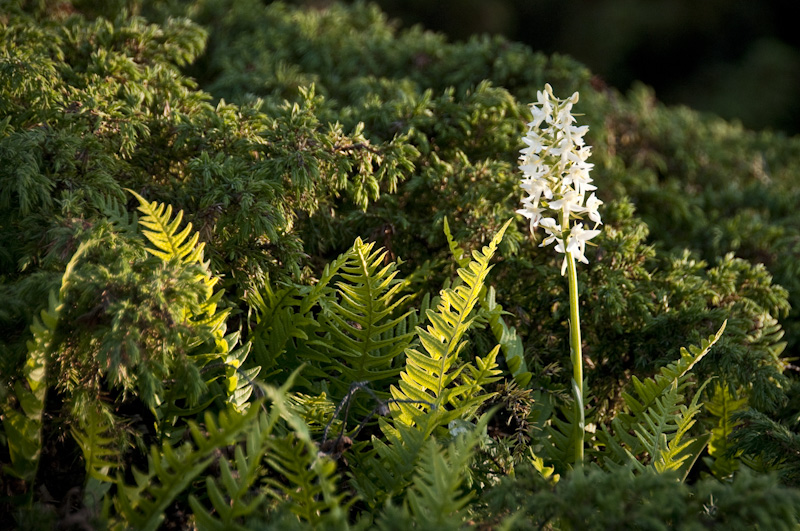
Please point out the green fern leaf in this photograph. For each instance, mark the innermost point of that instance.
(664, 428)
(310, 489)
(278, 324)
(236, 495)
(388, 468)
(98, 445)
(437, 497)
(432, 370)
(658, 418)
(649, 390)
(286, 320)
(117, 214)
(171, 470)
(558, 445)
(723, 405)
(356, 341)
(505, 335)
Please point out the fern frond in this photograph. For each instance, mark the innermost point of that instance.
(664, 428)
(227, 508)
(680, 452)
(558, 445)
(162, 231)
(437, 497)
(279, 322)
(359, 344)
(657, 421)
(236, 495)
(23, 426)
(723, 405)
(171, 470)
(286, 320)
(99, 447)
(310, 489)
(388, 468)
(427, 383)
(238, 381)
(505, 335)
(117, 214)
(650, 389)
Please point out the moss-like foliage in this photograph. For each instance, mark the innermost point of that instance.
(257, 270)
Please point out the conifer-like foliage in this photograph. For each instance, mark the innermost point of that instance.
(257, 272)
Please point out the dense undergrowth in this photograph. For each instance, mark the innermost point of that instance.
(256, 271)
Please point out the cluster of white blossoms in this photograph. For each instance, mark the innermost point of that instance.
(556, 177)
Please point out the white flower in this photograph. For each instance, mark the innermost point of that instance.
(591, 208)
(571, 201)
(532, 213)
(556, 176)
(536, 188)
(576, 242)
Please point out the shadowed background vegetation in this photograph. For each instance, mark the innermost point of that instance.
(739, 60)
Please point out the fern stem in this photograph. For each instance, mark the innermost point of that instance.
(576, 357)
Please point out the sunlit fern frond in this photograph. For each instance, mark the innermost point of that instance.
(357, 341)
(161, 228)
(505, 335)
(657, 419)
(431, 379)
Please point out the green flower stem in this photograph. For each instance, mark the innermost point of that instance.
(576, 356)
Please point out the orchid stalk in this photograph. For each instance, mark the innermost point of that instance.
(556, 180)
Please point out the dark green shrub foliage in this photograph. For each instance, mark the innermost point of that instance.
(257, 271)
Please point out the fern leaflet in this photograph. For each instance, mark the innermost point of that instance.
(428, 382)
(359, 342)
(171, 470)
(657, 420)
(98, 446)
(505, 335)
